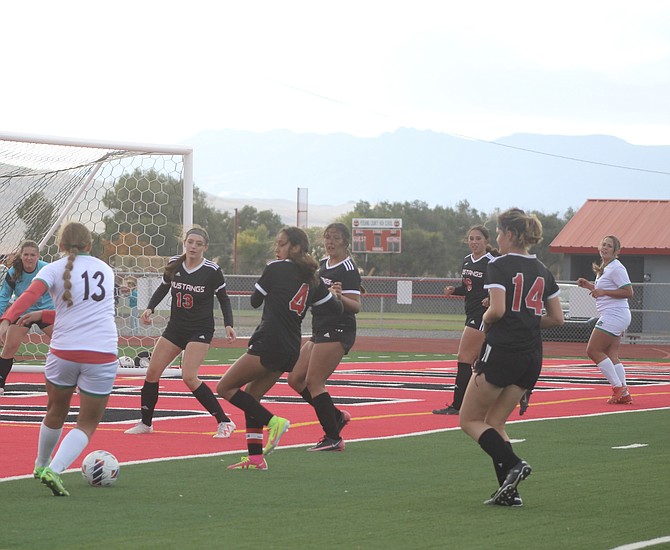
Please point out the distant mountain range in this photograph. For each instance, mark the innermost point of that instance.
(535, 172)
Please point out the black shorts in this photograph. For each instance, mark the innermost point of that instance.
(474, 320)
(503, 367)
(180, 337)
(345, 336)
(276, 362)
(271, 359)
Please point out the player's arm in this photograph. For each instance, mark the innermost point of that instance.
(497, 306)
(258, 296)
(458, 290)
(22, 303)
(227, 310)
(554, 316)
(157, 296)
(47, 316)
(327, 300)
(351, 301)
(6, 292)
(28, 298)
(155, 299)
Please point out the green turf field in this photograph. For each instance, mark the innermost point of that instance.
(414, 492)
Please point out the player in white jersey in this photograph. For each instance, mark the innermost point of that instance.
(83, 351)
(612, 289)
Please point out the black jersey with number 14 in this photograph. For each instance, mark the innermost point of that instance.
(528, 284)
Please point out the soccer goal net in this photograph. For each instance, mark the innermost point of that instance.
(135, 198)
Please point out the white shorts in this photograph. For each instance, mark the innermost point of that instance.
(614, 322)
(92, 378)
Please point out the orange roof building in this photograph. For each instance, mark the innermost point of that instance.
(642, 226)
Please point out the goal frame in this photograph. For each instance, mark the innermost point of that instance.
(133, 149)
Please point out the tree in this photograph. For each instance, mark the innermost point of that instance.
(148, 204)
(254, 250)
(37, 212)
(433, 239)
(219, 226)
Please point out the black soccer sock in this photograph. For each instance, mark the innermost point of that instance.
(148, 400)
(208, 400)
(495, 446)
(307, 396)
(463, 375)
(5, 368)
(501, 473)
(327, 414)
(242, 400)
(254, 435)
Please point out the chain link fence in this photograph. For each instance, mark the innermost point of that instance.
(418, 308)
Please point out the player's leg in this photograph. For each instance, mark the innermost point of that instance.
(164, 353)
(297, 377)
(13, 339)
(194, 356)
(324, 359)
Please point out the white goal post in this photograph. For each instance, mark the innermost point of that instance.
(135, 198)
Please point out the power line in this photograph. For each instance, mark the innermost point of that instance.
(524, 149)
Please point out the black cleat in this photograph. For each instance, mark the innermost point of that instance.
(328, 444)
(514, 501)
(447, 410)
(504, 496)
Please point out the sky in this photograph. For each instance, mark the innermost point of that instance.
(147, 71)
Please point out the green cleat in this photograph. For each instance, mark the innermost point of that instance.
(277, 427)
(52, 480)
(247, 463)
(37, 472)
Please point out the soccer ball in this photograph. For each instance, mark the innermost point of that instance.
(126, 362)
(100, 469)
(142, 359)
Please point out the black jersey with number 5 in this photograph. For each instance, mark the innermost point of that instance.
(285, 301)
(528, 284)
(472, 285)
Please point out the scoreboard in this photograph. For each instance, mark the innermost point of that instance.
(376, 235)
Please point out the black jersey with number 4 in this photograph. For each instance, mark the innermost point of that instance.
(285, 301)
(193, 296)
(472, 285)
(528, 284)
(346, 273)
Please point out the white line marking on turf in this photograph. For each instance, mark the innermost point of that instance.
(632, 446)
(643, 544)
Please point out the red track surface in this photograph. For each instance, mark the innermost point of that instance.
(385, 399)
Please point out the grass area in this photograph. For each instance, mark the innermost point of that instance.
(414, 321)
(416, 492)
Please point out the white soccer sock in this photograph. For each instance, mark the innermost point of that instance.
(70, 448)
(607, 368)
(46, 443)
(621, 373)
